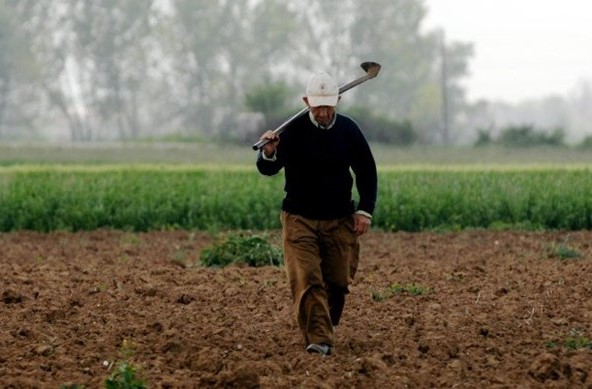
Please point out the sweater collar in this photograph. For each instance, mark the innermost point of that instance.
(317, 125)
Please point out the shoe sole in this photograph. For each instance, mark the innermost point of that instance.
(319, 349)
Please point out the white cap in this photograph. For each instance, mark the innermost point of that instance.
(322, 89)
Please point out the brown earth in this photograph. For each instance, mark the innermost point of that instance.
(500, 309)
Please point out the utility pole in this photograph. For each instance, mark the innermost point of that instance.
(444, 89)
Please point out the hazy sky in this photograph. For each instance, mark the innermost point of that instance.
(523, 48)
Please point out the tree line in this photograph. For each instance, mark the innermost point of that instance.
(93, 70)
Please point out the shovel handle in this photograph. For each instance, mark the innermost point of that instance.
(281, 128)
(371, 68)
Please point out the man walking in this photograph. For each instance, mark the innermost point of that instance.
(321, 224)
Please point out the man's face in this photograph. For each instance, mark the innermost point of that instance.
(323, 114)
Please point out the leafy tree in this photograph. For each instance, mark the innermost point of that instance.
(341, 34)
(483, 137)
(271, 100)
(5, 58)
(381, 129)
(16, 64)
(586, 143)
(91, 55)
(108, 59)
(224, 49)
(526, 135)
(411, 84)
(124, 69)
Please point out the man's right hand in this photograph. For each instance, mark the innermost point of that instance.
(272, 142)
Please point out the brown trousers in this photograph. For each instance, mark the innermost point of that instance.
(321, 258)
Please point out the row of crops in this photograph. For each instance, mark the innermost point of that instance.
(152, 197)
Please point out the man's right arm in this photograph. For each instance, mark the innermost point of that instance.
(267, 161)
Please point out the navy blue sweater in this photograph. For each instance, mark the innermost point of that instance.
(317, 166)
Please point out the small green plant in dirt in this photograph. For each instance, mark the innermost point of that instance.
(124, 377)
(102, 287)
(412, 289)
(125, 374)
(378, 295)
(393, 289)
(179, 257)
(240, 249)
(563, 251)
(576, 340)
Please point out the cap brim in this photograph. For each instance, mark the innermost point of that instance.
(318, 101)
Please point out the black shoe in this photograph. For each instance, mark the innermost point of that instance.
(322, 348)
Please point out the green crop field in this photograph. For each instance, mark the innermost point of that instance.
(144, 187)
(412, 198)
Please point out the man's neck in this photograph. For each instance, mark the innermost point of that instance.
(318, 125)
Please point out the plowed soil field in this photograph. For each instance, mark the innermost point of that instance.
(468, 309)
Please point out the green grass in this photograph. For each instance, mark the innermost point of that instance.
(455, 200)
(125, 375)
(577, 343)
(134, 199)
(214, 198)
(250, 250)
(576, 340)
(563, 251)
(172, 153)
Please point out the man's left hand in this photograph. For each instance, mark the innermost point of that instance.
(361, 224)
